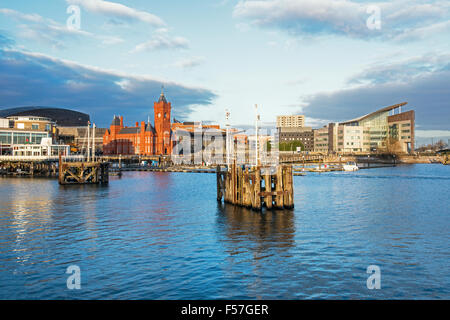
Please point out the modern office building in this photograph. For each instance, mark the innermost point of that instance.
(295, 121)
(388, 129)
(24, 130)
(385, 130)
(321, 137)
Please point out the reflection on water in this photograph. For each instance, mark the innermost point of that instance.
(164, 236)
(267, 231)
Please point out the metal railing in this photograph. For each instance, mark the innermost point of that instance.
(42, 158)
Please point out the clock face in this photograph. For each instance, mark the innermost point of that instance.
(159, 115)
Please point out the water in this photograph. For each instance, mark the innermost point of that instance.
(164, 236)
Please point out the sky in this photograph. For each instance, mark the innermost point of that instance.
(331, 60)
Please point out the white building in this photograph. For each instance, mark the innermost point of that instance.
(44, 149)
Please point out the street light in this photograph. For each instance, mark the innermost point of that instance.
(227, 142)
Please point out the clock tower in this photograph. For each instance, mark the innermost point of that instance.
(162, 110)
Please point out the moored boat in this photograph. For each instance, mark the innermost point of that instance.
(350, 166)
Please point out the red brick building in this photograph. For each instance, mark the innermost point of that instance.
(143, 139)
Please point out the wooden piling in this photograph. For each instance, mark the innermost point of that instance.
(243, 187)
(257, 189)
(83, 172)
(279, 188)
(268, 188)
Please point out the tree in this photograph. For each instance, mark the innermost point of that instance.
(393, 145)
(291, 145)
(268, 146)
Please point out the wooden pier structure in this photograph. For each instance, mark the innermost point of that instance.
(32, 166)
(91, 172)
(258, 187)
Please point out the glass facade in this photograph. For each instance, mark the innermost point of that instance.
(5, 137)
(12, 137)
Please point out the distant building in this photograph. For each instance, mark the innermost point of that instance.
(45, 148)
(303, 134)
(385, 130)
(17, 131)
(321, 140)
(212, 137)
(61, 117)
(294, 121)
(142, 139)
(388, 129)
(77, 138)
(192, 126)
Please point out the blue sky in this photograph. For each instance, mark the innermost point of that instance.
(312, 57)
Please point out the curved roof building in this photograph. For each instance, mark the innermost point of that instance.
(62, 117)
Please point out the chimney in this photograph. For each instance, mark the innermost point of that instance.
(137, 124)
(121, 121)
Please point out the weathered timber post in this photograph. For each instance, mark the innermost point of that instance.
(257, 189)
(219, 183)
(227, 184)
(247, 191)
(268, 184)
(286, 186)
(233, 183)
(240, 188)
(279, 188)
(289, 188)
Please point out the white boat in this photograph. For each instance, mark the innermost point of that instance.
(350, 166)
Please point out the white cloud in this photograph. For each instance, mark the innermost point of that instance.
(30, 78)
(189, 62)
(423, 84)
(161, 41)
(403, 71)
(21, 16)
(118, 11)
(432, 133)
(423, 32)
(400, 20)
(36, 27)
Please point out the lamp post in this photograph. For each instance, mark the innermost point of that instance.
(93, 142)
(89, 142)
(227, 141)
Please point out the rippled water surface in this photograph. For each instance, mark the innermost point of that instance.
(164, 236)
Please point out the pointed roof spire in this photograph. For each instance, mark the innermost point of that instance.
(162, 97)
